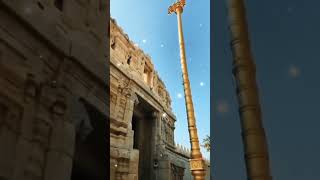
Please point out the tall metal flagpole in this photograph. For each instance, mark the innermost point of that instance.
(197, 165)
(253, 135)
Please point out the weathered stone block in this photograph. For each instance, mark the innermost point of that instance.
(134, 162)
(7, 153)
(59, 166)
(23, 150)
(63, 137)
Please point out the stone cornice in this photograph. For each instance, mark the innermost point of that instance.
(142, 86)
(137, 50)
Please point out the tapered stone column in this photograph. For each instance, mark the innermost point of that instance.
(253, 134)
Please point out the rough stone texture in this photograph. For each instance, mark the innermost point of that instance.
(48, 54)
(135, 84)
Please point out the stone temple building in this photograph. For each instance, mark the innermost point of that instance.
(142, 124)
(53, 89)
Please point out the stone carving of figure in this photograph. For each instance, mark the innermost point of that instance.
(125, 87)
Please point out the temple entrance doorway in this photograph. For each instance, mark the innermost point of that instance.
(90, 158)
(143, 127)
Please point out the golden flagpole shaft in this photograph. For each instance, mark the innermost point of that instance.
(253, 135)
(197, 164)
(195, 153)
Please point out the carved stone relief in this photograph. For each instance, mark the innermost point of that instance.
(125, 87)
(177, 172)
(113, 101)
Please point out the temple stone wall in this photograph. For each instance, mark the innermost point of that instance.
(51, 56)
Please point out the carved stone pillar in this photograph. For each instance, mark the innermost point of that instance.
(134, 154)
(122, 171)
(156, 117)
(33, 142)
(133, 100)
(40, 137)
(113, 166)
(23, 144)
(128, 158)
(124, 93)
(62, 142)
(133, 165)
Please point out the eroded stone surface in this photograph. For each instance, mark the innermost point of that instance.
(49, 52)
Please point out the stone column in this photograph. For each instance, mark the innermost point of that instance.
(132, 100)
(62, 142)
(122, 169)
(157, 146)
(32, 144)
(133, 165)
(124, 93)
(127, 159)
(134, 153)
(113, 166)
(164, 172)
(23, 144)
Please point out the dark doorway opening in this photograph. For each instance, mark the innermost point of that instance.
(135, 128)
(142, 125)
(58, 4)
(90, 157)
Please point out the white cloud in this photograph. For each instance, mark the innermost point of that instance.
(179, 95)
(201, 83)
(162, 45)
(144, 41)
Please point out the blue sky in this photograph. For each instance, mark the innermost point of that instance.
(147, 24)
